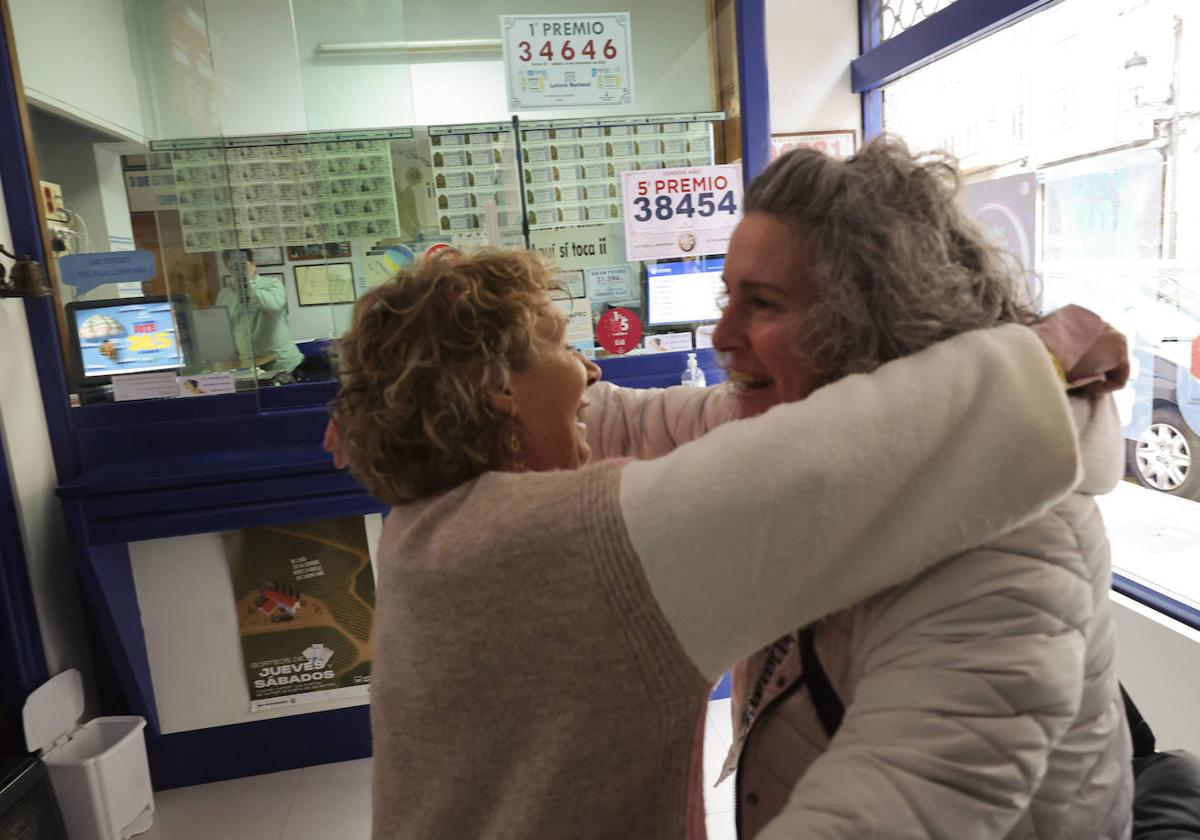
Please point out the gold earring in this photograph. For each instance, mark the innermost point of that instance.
(516, 458)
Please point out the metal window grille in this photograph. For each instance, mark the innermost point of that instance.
(891, 17)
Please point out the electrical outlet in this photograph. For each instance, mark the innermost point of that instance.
(52, 202)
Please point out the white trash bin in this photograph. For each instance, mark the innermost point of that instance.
(99, 770)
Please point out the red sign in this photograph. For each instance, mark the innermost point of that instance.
(438, 248)
(837, 144)
(619, 331)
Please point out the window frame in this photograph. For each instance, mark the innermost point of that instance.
(963, 23)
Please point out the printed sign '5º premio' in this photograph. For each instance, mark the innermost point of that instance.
(680, 212)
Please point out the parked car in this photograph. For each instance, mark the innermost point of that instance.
(1157, 305)
(1165, 454)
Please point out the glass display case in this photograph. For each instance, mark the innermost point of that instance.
(237, 175)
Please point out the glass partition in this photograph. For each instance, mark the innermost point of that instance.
(1086, 149)
(234, 174)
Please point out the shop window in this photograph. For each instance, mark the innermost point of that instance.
(1089, 116)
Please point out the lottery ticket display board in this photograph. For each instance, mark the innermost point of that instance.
(572, 169)
(473, 174)
(284, 193)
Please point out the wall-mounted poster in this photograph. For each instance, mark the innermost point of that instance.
(319, 285)
(839, 144)
(554, 61)
(305, 595)
(256, 196)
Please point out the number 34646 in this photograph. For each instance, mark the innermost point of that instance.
(568, 52)
(666, 207)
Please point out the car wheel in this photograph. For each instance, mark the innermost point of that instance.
(1166, 457)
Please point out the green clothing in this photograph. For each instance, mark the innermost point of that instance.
(260, 326)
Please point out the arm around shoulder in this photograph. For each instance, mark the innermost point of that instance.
(649, 422)
(767, 524)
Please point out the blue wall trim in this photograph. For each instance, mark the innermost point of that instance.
(658, 370)
(268, 746)
(1156, 600)
(23, 666)
(25, 225)
(752, 85)
(872, 115)
(952, 27)
(868, 26)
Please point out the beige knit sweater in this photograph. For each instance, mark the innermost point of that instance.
(544, 642)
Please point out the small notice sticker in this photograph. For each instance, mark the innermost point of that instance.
(145, 386)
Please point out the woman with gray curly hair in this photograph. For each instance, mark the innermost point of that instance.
(979, 699)
(547, 629)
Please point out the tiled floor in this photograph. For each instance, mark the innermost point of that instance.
(334, 800)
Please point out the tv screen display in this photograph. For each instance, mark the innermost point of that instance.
(684, 292)
(133, 336)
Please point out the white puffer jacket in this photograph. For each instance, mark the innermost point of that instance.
(981, 698)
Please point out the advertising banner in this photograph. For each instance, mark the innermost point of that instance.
(305, 595)
(1006, 208)
(553, 61)
(680, 212)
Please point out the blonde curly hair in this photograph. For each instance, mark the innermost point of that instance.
(895, 264)
(425, 351)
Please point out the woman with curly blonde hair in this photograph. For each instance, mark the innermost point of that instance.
(547, 629)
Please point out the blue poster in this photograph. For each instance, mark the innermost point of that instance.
(130, 337)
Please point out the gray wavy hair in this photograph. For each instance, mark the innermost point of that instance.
(894, 263)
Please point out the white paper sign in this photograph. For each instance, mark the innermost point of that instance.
(572, 283)
(704, 335)
(680, 212)
(613, 282)
(579, 324)
(665, 342)
(145, 386)
(552, 60)
(202, 385)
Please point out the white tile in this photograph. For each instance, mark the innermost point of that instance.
(253, 807)
(332, 801)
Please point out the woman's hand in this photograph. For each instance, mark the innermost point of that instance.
(1094, 355)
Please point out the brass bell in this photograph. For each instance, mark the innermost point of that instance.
(27, 279)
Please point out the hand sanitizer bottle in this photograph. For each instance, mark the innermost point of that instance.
(693, 375)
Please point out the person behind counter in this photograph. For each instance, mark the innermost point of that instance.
(540, 670)
(979, 699)
(258, 310)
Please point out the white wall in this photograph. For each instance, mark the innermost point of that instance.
(1158, 660)
(268, 78)
(76, 58)
(258, 74)
(65, 155)
(31, 467)
(810, 44)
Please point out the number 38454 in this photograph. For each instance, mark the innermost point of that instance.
(665, 207)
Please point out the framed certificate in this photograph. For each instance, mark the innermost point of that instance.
(321, 285)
